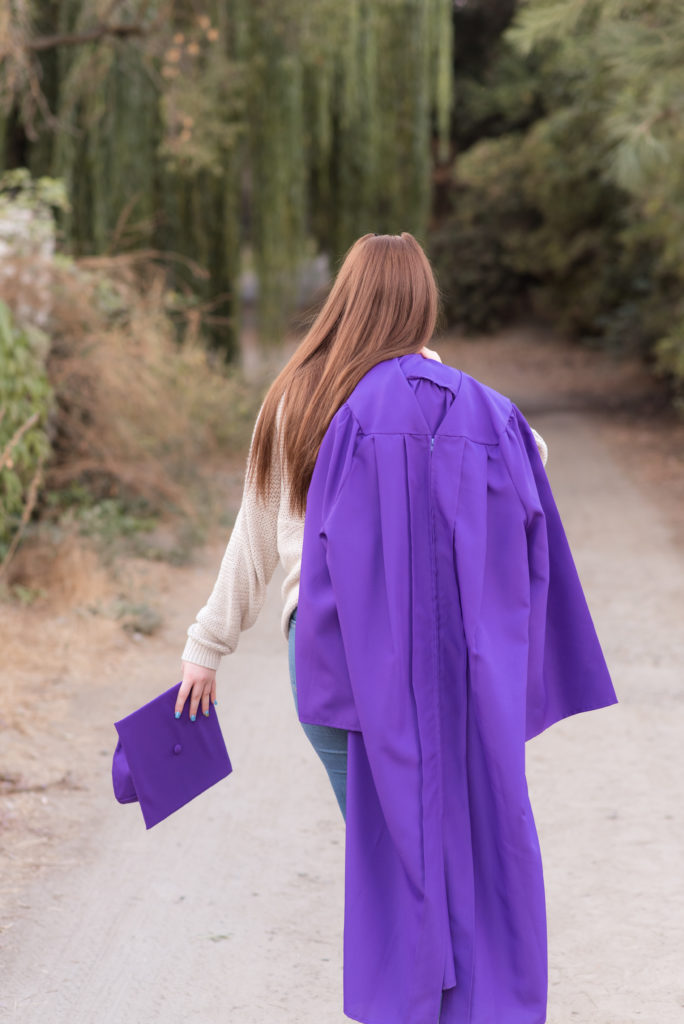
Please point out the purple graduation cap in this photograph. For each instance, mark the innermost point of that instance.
(164, 762)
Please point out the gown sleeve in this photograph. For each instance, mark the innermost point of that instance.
(324, 694)
(567, 670)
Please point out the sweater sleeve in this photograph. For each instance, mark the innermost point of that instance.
(541, 446)
(247, 566)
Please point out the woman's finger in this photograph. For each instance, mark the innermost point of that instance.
(182, 696)
(197, 691)
(198, 683)
(213, 690)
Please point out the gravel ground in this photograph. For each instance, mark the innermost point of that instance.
(231, 910)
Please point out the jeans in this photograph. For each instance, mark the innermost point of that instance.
(329, 743)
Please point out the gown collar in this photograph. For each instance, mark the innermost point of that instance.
(412, 365)
(384, 401)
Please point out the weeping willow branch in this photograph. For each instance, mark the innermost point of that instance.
(265, 131)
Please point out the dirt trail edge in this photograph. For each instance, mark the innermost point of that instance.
(231, 910)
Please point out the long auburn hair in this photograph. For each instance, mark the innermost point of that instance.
(384, 303)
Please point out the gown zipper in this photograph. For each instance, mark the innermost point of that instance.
(448, 967)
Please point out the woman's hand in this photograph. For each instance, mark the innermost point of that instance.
(430, 353)
(199, 681)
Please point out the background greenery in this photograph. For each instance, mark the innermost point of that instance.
(536, 149)
(567, 192)
(210, 130)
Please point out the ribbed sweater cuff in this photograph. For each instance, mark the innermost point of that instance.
(198, 654)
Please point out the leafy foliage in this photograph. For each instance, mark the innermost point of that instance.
(105, 419)
(208, 128)
(577, 196)
(25, 404)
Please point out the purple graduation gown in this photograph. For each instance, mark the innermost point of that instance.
(441, 619)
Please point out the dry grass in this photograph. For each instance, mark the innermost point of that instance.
(138, 411)
(143, 410)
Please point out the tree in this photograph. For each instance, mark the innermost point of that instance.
(208, 128)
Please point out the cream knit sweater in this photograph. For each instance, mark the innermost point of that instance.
(265, 532)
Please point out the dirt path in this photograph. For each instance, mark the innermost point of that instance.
(231, 910)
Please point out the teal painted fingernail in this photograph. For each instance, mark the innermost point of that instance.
(177, 714)
(215, 703)
(193, 717)
(206, 713)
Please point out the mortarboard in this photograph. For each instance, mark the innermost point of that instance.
(164, 762)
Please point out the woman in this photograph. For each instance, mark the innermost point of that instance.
(383, 304)
(441, 625)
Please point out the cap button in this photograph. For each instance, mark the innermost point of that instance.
(177, 749)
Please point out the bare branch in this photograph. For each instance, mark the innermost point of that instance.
(142, 255)
(16, 437)
(31, 498)
(122, 31)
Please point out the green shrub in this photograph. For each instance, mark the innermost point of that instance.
(26, 399)
(568, 193)
(532, 231)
